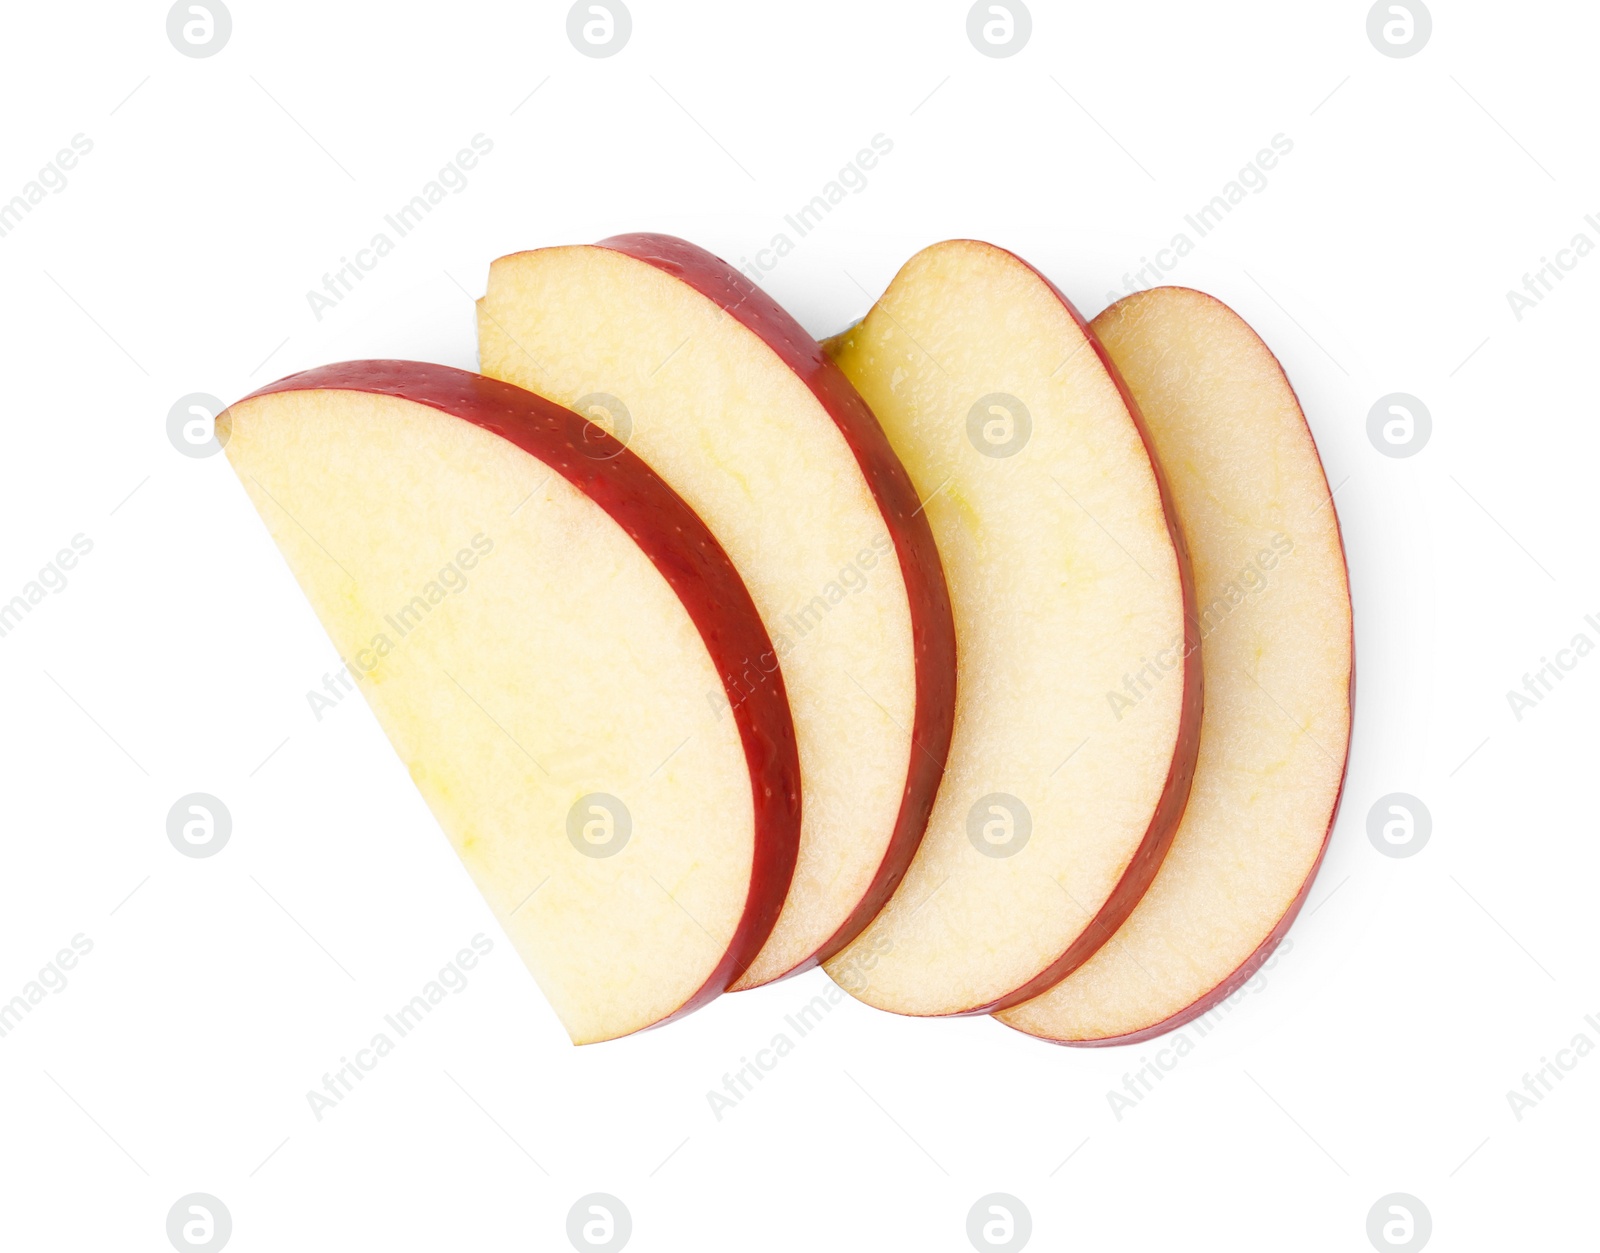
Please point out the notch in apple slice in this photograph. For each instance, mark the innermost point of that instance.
(729, 399)
(1079, 702)
(1275, 618)
(536, 619)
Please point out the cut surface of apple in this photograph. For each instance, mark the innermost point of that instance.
(1079, 697)
(736, 406)
(1275, 619)
(536, 619)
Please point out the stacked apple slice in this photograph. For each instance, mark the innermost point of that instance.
(1067, 572)
(537, 619)
(729, 399)
(664, 619)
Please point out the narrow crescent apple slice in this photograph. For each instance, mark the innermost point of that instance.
(1078, 704)
(1275, 618)
(729, 399)
(535, 619)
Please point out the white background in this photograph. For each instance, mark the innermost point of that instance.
(1377, 1056)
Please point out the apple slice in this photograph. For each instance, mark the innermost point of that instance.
(1279, 659)
(1079, 702)
(536, 619)
(729, 399)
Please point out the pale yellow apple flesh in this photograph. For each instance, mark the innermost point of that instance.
(717, 410)
(1068, 585)
(532, 668)
(1276, 627)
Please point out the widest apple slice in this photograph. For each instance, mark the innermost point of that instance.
(1079, 698)
(536, 618)
(729, 399)
(1275, 615)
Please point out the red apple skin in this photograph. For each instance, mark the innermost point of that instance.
(681, 547)
(1246, 969)
(932, 624)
